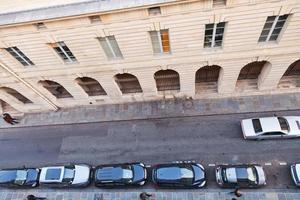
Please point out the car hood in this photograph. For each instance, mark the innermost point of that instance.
(198, 173)
(261, 175)
(32, 176)
(247, 127)
(82, 174)
(139, 173)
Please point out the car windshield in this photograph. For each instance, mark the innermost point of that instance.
(69, 174)
(283, 124)
(251, 174)
(21, 177)
(256, 125)
(127, 174)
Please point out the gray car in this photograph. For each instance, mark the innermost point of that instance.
(244, 176)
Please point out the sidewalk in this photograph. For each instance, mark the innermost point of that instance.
(162, 109)
(163, 195)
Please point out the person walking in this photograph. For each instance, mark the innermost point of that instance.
(237, 192)
(9, 119)
(145, 196)
(32, 197)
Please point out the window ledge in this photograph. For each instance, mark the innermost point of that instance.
(213, 50)
(267, 44)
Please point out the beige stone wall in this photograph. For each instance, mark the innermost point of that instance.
(18, 5)
(186, 24)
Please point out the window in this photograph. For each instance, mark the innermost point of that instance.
(217, 3)
(110, 47)
(256, 125)
(160, 41)
(273, 133)
(40, 25)
(55, 89)
(64, 52)
(91, 86)
(19, 55)
(214, 35)
(283, 124)
(16, 95)
(154, 11)
(272, 28)
(95, 19)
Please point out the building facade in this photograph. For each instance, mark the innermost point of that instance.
(83, 52)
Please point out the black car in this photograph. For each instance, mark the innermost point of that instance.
(179, 175)
(120, 175)
(244, 176)
(19, 177)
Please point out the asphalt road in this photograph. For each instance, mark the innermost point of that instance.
(208, 140)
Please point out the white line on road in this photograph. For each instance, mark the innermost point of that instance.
(282, 163)
(268, 164)
(211, 165)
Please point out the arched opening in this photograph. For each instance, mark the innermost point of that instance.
(55, 89)
(128, 83)
(6, 108)
(167, 80)
(206, 79)
(291, 77)
(90, 86)
(248, 76)
(16, 95)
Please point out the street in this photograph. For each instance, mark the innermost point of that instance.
(209, 140)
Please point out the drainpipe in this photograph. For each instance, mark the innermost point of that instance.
(28, 85)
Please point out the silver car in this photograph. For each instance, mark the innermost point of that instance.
(244, 176)
(271, 127)
(295, 171)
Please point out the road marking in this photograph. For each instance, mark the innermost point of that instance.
(282, 163)
(211, 165)
(268, 164)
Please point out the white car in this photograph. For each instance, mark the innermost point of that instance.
(271, 127)
(295, 171)
(65, 176)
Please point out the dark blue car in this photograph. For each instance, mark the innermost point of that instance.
(19, 177)
(179, 175)
(120, 175)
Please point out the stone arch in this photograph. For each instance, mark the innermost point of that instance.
(291, 77)
(250, 75)
(91, 86)
(7, 108)
(16, 95)
(55, 89)
(167, 80)
(128, 83)
(206, 79)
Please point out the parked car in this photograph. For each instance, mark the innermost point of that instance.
(179, 175)
(19, 177)
(244, 176)
(295, 171)
(271, 127)
(120, 175)
(65, 176)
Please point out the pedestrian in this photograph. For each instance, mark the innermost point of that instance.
(145, 196)
(237, 192)
(9, 119)
(32, 197)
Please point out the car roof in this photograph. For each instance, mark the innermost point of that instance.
(52, 174)
(270, 124)
(174, 173)
(113, 173)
